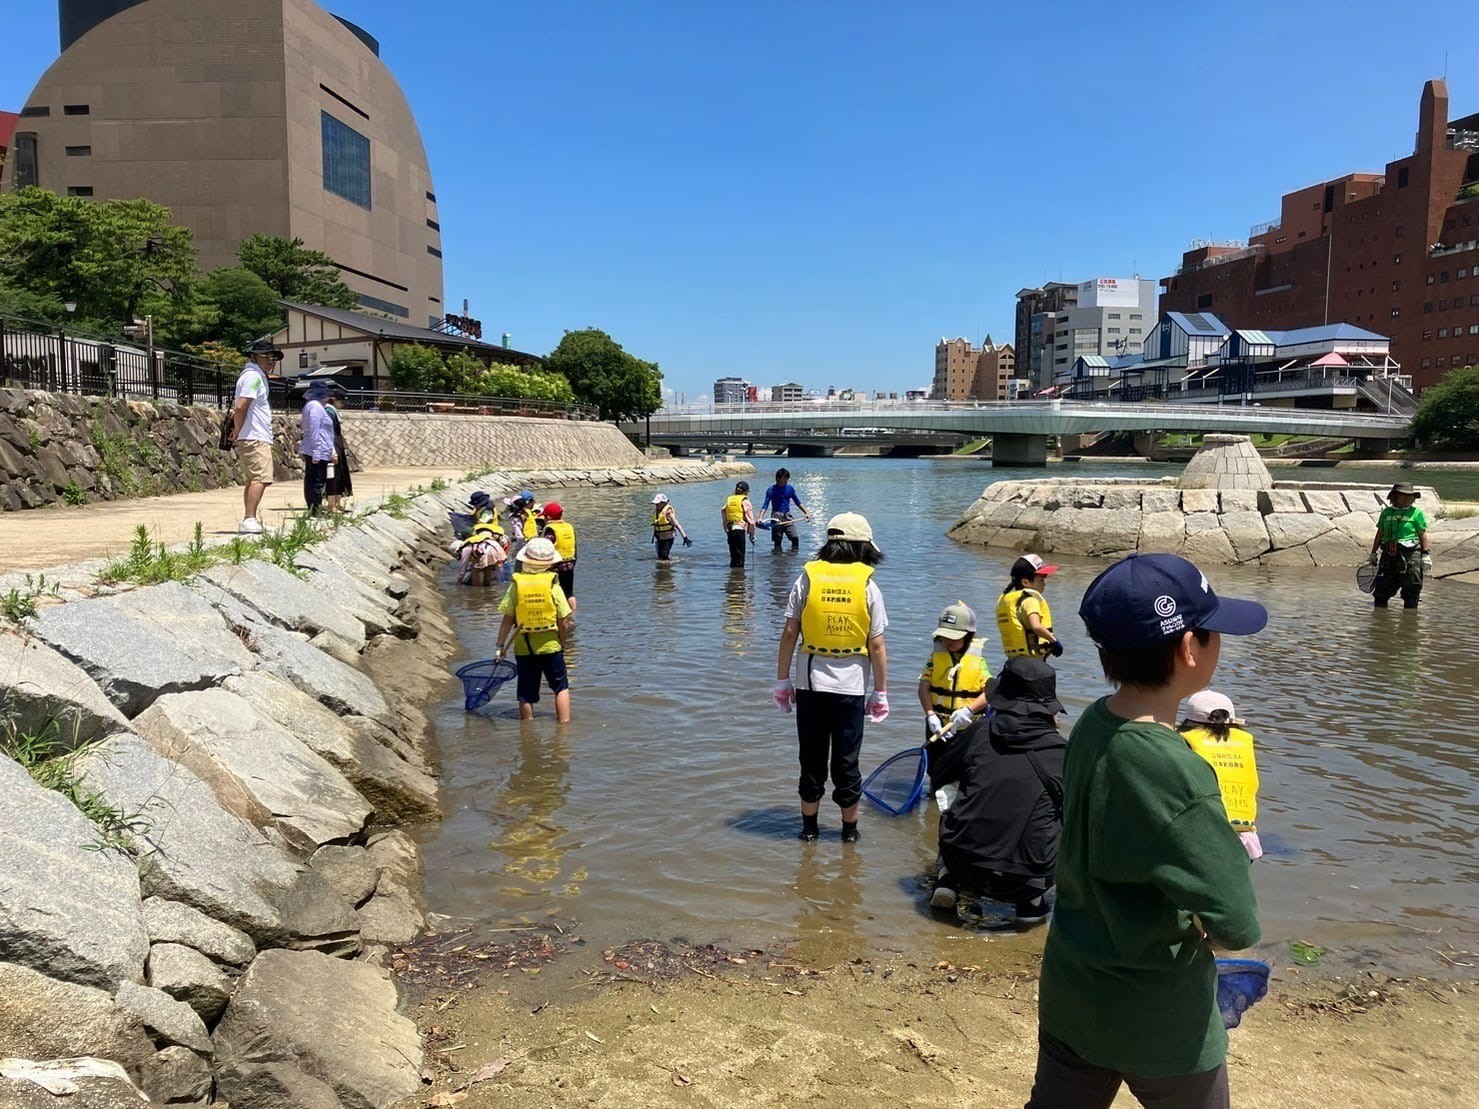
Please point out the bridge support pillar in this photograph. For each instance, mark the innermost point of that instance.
(1019, 450)
(804, 450)
(679, 452)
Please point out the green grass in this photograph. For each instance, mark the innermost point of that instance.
(438, 484)
(52, 765)
(396, 505)
(74, 494)
(149, 563)
(18, 604)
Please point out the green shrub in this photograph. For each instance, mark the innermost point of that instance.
(1448, 414)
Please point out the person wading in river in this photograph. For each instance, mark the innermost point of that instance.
(562, 534)
(777, 504)
(836, 612)
(738, 517)
(1400, 550)
(664, 524)
(535, 611)
(1023, 618)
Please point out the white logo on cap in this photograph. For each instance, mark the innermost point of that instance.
(1205, 587)
(1165, 606)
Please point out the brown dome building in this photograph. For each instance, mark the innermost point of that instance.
(242, 117)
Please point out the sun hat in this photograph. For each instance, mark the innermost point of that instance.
(852, 526)
(957, 621)
(479, 498)
(264, 346)
(1201, 705)
(526, 495)
(1026, 685)
(317, 392)
(1405, 488)
(553, 511)
(539, 550)
(659, 498)
(1030, 566)
(1146, 599)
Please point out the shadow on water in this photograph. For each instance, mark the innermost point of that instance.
(774, 822)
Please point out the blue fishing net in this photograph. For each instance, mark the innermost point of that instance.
(896, 786)
(1240, 983)
(480, 680)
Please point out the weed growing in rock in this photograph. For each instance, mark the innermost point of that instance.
(438, 484)
(283, 547)
(19, 603)
(52, 764)
(149, 563)
(74, 494)
(397, 504)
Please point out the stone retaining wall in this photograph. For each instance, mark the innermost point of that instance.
(478, 442)
(1291, 524)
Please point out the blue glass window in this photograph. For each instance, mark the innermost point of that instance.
(346, 161)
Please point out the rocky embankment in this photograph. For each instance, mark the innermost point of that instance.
(200, 793)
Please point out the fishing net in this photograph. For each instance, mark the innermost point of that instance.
(1240, 983)
(896, 786)
(1366, 578)
(480, 680)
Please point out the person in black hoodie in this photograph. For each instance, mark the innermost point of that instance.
(1000, 837)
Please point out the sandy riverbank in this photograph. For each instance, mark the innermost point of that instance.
(894, 1034)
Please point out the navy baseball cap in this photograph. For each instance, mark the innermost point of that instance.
(1146, 599)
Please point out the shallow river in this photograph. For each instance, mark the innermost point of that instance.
(668, 808)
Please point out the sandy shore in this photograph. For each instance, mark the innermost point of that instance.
(761, 1032)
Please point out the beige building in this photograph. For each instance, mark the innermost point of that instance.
(995, 366)
(242, 116)
(955, 369)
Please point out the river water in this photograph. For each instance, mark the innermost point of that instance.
(668, 809)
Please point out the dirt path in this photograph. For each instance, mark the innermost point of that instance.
(894, 1034)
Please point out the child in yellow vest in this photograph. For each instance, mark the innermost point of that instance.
(537, 617)
(952, 688)
(1210, 728)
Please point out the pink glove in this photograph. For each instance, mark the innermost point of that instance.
(1251, 844)
(878, 706)
(784, 694)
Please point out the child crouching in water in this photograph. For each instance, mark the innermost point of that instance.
(1211, 730)
(952, 688)
(483, 552)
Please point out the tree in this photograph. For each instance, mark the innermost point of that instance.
(294, 272)
(1448, 414)
(244, 306)
(620, 385)
(516, 381)
(419, 369)
(114, 260)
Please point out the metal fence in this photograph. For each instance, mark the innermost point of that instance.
(35, 355)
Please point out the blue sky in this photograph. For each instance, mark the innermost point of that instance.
(819, 191)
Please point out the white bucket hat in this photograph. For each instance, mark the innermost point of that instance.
(539, 550)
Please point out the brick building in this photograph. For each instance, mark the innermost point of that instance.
(995, 367)
(955, 369)
(1396, 253)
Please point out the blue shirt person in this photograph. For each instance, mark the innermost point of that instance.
(777, 505)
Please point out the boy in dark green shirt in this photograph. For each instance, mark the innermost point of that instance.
(1150, 874)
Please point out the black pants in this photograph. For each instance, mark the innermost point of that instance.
(1064, 1081)
(664, 548)
(315, 479)
(737, 540)
(830, 729)
(785, 529)
(565, 575)
(1402, 570)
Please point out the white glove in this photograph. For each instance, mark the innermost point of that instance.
(932, 722)
(784, 694)
(962, 717)
(1427, 561)
(877, 705)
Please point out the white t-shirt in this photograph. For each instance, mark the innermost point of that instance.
(851, 674)
(252, 385)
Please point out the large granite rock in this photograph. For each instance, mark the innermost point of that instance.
(375, 609)
(187, 618)
(1290, 529)
(359, 1046)
(337, 685)
(187, 975)
(80, 1083)
(45, 695)
(1246, 533)
(349, 870)
(65, 907)
(177, 1076)
(43, 1018)
(1162, 531)
(172, 922)
(170, 1021)
(287, 600)
(258, 770)
(131, 659)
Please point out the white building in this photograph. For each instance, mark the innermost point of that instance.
(1113, 316)
(731, 390)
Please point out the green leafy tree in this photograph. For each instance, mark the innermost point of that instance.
(1448, 414)
(620, 385)
(228, 357)
(294, 272)
(114, 260)
(418, 368)
(516, 381)
(244, 306)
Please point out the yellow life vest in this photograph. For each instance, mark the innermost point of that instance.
(662, 522)
(955, 683)
(482, 533)
(564, 539)
(835, 619)
(534, 609)
(734, 509)
(1237, 773)
(1017, 639)
(530, 523)
(488, 520)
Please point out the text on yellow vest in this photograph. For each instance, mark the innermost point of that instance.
(1017, 639)
(955, 683)
(835, 619)
(564, 539)
(534, 610)
(1237, 772)
(734, 509)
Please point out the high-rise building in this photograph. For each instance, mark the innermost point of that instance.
(731, 390)
(1111, 316)
(242, 116)
(1037, 319)
(1394, 253)
(995, 367)
(955, 369)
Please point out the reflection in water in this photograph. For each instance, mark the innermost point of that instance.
(662, 785)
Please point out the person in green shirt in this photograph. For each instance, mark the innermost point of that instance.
(1400, 549)
(537, 616)
(1151, 876)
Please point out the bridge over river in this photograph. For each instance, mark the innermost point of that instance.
(1018, 430)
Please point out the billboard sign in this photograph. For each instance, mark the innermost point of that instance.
(1109, 292)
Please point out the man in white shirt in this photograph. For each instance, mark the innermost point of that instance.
(251, 430)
